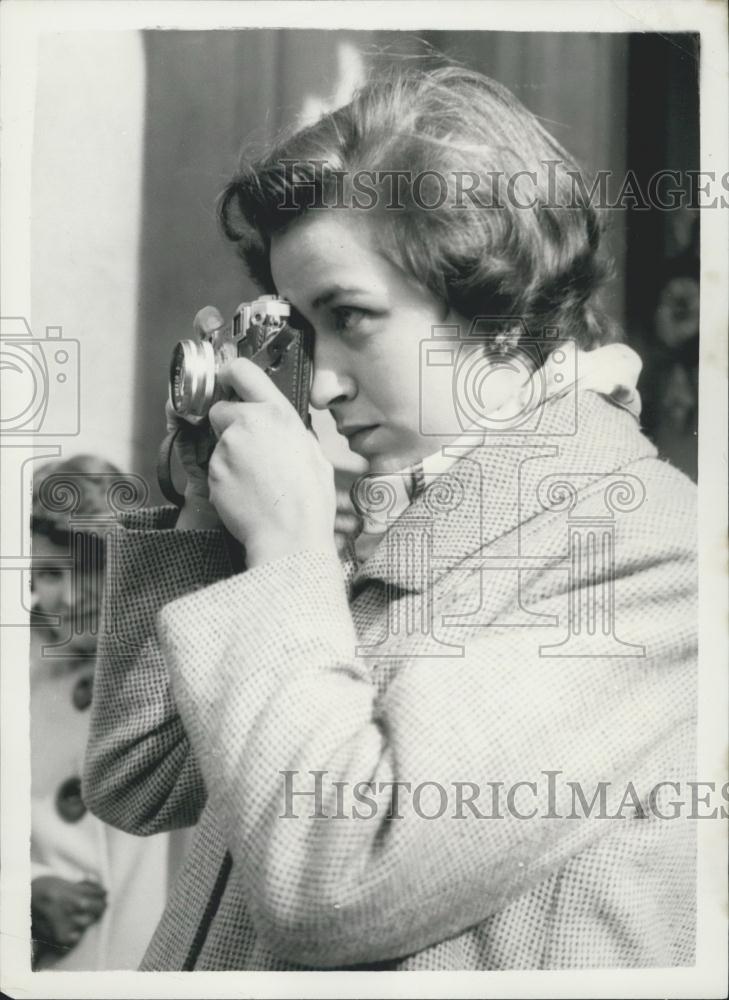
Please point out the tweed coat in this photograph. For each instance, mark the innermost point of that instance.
(532, 616)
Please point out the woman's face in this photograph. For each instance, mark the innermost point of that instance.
(370, 319)
(57, 592)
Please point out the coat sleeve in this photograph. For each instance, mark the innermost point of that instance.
(330, 797)
(140, 773)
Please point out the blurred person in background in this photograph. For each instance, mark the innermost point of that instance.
(669, 347)
(96, 893)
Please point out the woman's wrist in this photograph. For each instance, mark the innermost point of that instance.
(198, 513)
(269, 548)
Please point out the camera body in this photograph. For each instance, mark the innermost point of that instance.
(40, 381)
(260, 330)
(459, 364)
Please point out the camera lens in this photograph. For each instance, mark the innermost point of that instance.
(192, 378)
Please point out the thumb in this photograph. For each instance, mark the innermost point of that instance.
(207, 320)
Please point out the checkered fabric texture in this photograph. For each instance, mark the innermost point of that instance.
(210, 685)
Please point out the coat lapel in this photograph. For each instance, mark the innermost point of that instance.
(502, 483)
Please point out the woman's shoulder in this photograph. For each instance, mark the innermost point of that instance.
(661, 526)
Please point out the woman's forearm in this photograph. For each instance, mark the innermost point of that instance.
(140, 774)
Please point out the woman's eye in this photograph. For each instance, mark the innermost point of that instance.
(49, 574)
(347, 318)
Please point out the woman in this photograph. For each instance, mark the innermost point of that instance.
(96, 893)
(385, 758)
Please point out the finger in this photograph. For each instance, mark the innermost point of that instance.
(82, 920)
(89, 886)
(344, 502)
(249, 382)
(222, 415)
(90, 892)
(69, 936)
(207, 320)
(90, 904)
(93, 910)
(347, 524)
(342, 543)
(225, 413)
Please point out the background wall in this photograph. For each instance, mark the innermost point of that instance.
(87, 222)
(125, 245)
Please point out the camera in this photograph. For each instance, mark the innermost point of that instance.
(466, 365)
(40, 381)
(260, 331)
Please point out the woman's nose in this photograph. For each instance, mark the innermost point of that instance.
(331, 383)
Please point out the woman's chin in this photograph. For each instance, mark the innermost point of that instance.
(386, 452)
(385, 464)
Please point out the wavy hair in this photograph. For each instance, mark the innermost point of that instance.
(81, 483)
(481, 253)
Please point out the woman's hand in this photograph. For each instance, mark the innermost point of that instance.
(269, 480)
(62, 910)
(190, 445)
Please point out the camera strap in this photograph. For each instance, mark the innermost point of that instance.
(164, 469)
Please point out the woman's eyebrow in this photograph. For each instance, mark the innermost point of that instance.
(325, 297)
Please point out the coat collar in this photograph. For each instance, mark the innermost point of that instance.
(494, 485)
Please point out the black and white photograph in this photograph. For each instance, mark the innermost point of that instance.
(364, 489)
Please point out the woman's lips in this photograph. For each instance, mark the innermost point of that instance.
(359, 437)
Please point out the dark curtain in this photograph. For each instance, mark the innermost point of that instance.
(662, 272)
